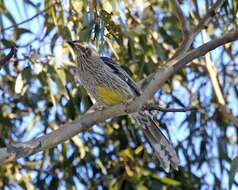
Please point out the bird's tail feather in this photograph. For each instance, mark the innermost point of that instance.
(162, 147)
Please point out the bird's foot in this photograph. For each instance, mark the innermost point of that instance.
(96, 107)
(127, 110)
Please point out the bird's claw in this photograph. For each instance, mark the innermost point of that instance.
(127, 110)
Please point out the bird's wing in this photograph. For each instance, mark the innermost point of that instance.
(117, 69)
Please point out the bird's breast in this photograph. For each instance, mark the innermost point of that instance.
(109, 96)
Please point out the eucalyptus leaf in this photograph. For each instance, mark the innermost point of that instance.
(233, 171)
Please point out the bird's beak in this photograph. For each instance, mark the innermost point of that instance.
(81, 46)
(76, 45)
(71, 43)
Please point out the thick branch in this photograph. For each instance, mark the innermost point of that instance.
(12, 152)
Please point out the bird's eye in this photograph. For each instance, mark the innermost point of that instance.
(88, 51)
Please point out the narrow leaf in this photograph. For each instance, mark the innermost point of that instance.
(233, 171)
(19, 84)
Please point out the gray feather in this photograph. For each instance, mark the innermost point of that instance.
(163, 149)
(116, 68)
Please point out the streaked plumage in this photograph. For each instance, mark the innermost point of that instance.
(109, 85)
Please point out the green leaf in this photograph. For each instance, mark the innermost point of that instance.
(5, 12)
(70, 110)
(51, 90)
(169, 181)
(53, 41)
(31, 3)
(85, 33)
(114, 185)
(78, 142)
(233, 171)
(107, 6)
(7, 43)
(141, 187)
(19, 84)
(20, 31)
(60, 20)
(54, 75)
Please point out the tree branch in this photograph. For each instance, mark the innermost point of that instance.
(190, 34)
(152, 107)
(176, 64)
(182, 19)
(12, 152)
(189, 38)
(208, 16)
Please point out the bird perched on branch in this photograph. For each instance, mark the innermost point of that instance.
(109, 85)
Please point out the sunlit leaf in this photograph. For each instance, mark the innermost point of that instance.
(233, 171)
(20, 31)
(169, 181)
(114, 185)
(19, 84)
(79, 143)
(141, 187)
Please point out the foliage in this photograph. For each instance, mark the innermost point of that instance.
(39, 92)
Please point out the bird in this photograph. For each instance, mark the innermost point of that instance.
(109, 84)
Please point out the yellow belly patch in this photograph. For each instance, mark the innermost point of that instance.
(108, 96)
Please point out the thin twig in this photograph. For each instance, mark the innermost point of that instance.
(151, 107)
(182, 19)
(186, 37)
(31, 18)
(208, 16)
(192, 32)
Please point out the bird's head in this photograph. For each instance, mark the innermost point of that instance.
(82, 50)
